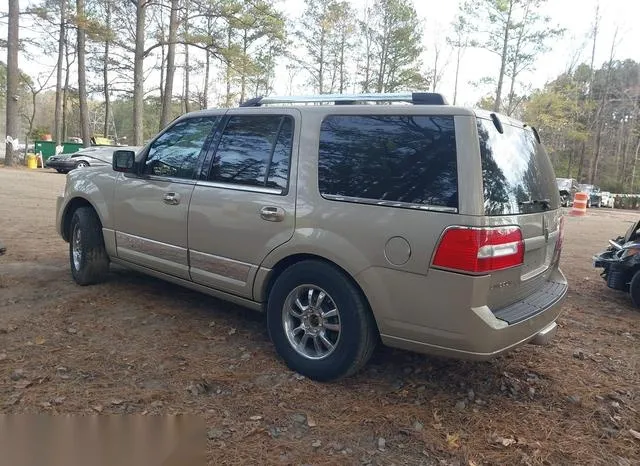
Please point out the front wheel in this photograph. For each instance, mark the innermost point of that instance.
(87, 254)
(320, 322)
(82, 164)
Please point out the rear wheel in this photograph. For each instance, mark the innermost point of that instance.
(319, 321)
(87, 254)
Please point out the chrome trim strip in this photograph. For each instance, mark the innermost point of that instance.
(241, 187)
(168, 179)
(194, 286)
(402, 205)
(228, 268)
(152, 248)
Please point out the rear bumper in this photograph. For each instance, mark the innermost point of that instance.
(444, 322)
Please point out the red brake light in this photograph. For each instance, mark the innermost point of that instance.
(480, 250)
(559, 241)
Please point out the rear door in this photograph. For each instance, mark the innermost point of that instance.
(520, 189)
(243, 206)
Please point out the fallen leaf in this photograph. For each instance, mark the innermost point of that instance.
(232, 331)
(635, 434)
(255, 418)
(453, 441)
(311, 422)
(40, 340)
(508, 441)
(97, 408)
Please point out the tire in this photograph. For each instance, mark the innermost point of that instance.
(634, 289)
(87, 254)
(353, 344)
(82, 164)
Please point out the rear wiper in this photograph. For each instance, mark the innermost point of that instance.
(545, 203)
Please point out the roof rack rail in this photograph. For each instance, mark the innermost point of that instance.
(416, 98)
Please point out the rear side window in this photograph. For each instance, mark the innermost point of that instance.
(517, 174)
(394, 159)
(254, 150)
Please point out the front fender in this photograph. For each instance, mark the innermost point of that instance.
(93, 185)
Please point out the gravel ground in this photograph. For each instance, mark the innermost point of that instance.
(138, 345)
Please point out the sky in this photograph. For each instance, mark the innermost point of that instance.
(576, 16)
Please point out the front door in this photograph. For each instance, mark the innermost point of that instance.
(244, 207)
(151, 209)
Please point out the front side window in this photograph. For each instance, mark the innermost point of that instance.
(254, 150)
(404, 158)
(175, 153)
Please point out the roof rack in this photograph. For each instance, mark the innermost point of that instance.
(416, 98)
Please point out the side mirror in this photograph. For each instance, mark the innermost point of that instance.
(124, 161)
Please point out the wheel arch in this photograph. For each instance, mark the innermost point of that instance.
(70, 208)
(286, 262)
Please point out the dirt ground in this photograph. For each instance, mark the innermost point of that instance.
(138, 345)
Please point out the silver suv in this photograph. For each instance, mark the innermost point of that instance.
(347, 219)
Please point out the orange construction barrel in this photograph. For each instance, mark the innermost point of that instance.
(580, 204)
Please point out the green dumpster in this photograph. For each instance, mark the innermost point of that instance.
(48, 148)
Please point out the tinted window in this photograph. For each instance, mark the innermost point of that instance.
(408, 159)
(254, 151)
(516, 171)
(176, 151)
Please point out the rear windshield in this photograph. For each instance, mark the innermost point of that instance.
(517, 173)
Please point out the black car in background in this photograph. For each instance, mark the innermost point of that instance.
(568, 187)
(88, 157)
(595, 197)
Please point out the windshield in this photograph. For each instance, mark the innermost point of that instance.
(564, 184)
(517, 173)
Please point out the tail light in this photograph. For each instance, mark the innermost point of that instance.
(480, 250)
(559, 240)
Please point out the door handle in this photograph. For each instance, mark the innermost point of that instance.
(272, 214)
(171, 198)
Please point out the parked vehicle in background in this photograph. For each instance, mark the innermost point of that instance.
(595, 197)
(606, 199)
(567, 187)
(89, 157)
(347, 223)
(620, 263)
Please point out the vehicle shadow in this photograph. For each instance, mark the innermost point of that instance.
(389, 372)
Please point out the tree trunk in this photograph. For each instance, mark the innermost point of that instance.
(167, 95)
(243, 77)
(57, 125)
(455, 82)
(343, 44)
(13, 76)
(503, 60)
(187, 68)
(82, 75)
(207, 67)
(633, 173)
(138, 74)
(105, 71)
(228, 63)
(65, 91)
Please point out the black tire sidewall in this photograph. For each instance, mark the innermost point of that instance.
(93, 258)
(352, 309)
(634, 289)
